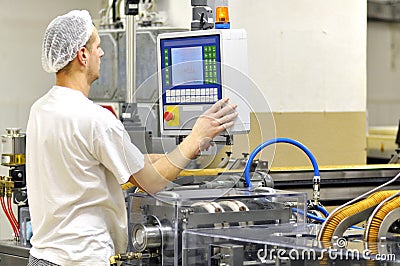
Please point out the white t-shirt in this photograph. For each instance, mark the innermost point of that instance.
(77, 156)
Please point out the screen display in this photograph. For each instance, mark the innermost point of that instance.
(187, 65)
(191, 72)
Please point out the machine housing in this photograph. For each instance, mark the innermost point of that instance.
(157, 223)
(196, 69)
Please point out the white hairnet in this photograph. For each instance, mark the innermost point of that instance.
(63, 38)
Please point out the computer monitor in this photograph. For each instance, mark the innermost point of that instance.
(196, 69)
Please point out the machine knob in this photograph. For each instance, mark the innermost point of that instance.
(168, 116)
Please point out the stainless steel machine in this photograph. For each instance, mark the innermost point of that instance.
(264, 226)
(157, 224)
(242, 223)
(14, 251)
(214, 216)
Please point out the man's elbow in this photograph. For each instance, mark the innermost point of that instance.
(147, 185)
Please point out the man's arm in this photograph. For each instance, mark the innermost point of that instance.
(156, 174)
(153, 157)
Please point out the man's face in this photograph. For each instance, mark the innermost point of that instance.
(95, 53)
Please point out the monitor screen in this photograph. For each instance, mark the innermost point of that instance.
(187, 65)
(191, 71)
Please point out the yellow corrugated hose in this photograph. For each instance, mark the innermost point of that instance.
(334, 220)
(378, 218)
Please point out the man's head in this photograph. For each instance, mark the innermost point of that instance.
(89, 56)
(64, 37)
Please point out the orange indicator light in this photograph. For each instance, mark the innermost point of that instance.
(222, 14)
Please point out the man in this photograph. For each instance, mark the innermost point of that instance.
(78, 154)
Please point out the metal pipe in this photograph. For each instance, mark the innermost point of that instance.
(131, 256)
(130, 58)
(118, 8)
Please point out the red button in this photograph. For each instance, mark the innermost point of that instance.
(168, 116)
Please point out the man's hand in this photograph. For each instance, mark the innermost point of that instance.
(212, 122)
(159, 170)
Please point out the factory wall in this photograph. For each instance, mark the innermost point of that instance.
(383, 72)
(22, 25)
(308, 58)
(23, 80)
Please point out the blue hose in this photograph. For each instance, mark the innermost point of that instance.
(309, 215)
(322, 210)
(320, 219)
(277, 140)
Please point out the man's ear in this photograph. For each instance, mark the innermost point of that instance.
(82, 56)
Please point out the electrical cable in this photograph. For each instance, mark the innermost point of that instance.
(3, 205)
(10, 210)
